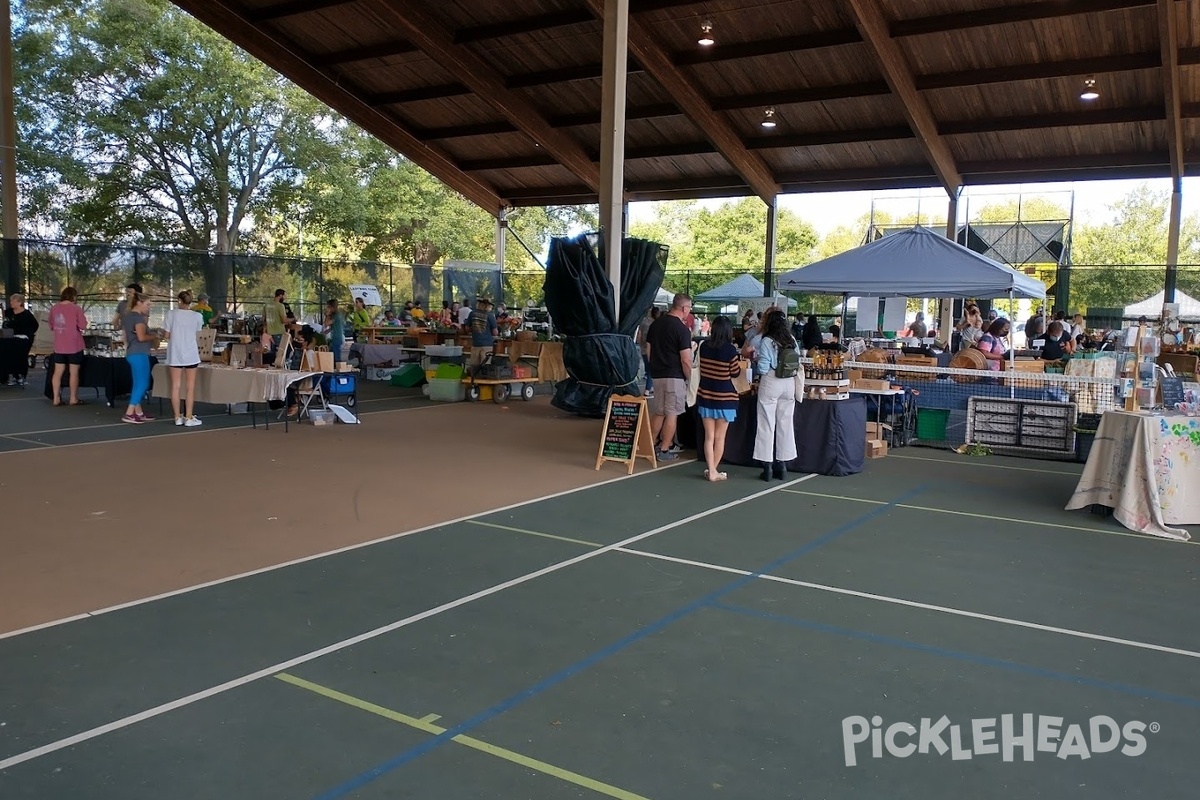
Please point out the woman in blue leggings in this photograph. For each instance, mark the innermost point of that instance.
(140, 341)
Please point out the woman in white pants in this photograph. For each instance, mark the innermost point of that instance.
(775, 437)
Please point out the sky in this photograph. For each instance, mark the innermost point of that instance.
(826, 210)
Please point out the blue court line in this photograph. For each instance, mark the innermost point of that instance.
(987, 661)
(358, 781)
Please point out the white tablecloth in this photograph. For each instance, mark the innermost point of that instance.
(221, 385)
(1147, 469)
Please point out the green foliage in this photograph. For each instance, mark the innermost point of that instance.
(710, 247)
(1121, 262)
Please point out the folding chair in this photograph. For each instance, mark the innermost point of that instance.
(306, 391)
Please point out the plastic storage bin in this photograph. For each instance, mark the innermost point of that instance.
(447, 391)
(408, 376)
(931, 424)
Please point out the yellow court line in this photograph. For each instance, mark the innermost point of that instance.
(994, 518)
(430, 718)
(975, 462)
(467, 741)
(534, 533)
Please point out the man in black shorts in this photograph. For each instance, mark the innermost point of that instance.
(669, 343)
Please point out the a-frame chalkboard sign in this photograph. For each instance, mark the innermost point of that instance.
(626, 436)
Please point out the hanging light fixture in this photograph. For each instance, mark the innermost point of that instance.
(706, 37)
(768, 120)
(1089, 90)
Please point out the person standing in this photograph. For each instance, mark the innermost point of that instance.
(670, 348)
(778, 364)
(919, 329)
(68, 323)
(717, 398)
(123, 305)
(140, 342)
(484, 328)
(335, 330)
(204, 309)
(643, 330)
(24, 326)
(183, 325)
(275, 317)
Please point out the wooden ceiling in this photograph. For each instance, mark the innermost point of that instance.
(501, 101)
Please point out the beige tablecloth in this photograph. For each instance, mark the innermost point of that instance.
(223, 386)
(1147, 469)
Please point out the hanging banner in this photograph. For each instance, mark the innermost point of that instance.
(367, 293)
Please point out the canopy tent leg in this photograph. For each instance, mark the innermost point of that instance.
(946, 318)
(612, 139)
(1012, 351)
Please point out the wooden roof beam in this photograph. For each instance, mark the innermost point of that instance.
(1169, 42)
(643, 46)
(293, 8)
(1006, 15)
(289, 60)
(869, 18)
(383, 50)
(420, 27)
(516, 27)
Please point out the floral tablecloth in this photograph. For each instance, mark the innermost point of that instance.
(1146, 468)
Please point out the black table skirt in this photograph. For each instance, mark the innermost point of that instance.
(14, 357)
(830, 435)
(113, 375)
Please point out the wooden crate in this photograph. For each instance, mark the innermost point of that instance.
(915, 361)
(1027, 367)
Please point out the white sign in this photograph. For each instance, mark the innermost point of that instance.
(868, 314)
(368, 293)
(895, 310)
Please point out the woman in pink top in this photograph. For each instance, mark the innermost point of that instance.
(68, 323)
(991, 344)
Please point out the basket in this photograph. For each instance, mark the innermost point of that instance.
(968, 358)
(931, 424)
(447, 391)
(875, 355)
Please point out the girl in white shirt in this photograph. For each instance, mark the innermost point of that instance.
(183, 355)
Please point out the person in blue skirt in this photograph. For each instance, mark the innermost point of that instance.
(716, 396)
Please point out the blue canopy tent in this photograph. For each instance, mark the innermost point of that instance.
(918, 262)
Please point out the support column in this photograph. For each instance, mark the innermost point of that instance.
(625, 219)
(769, 258)
(501, 235)
(1173, 244)
(9, 254)
(946, 319)
(612, 139)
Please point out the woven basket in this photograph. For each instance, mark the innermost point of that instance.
(968, 358)
(875, 355)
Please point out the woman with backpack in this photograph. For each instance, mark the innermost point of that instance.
(779, 389)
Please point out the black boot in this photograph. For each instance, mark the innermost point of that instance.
(780, 471)
(766, 475)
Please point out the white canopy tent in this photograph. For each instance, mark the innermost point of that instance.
(743, 287)
(913, 263)
(1151, 307)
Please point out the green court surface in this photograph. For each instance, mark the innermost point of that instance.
(652, 637)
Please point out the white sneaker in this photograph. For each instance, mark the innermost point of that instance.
(178, 421)
(192, 422)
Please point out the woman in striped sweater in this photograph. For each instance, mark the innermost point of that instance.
(716, 397)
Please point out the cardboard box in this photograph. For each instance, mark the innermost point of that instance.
(871, 383)
(878, 430)
(876, 448)
(855, 375)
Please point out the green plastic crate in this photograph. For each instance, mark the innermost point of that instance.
(931, 424)
(449, 372)
(408, 376)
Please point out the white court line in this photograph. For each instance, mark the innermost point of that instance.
(313, 557)
(958, 612)
(166, 422)
(17, 438)
(976, 462)
(284, 666)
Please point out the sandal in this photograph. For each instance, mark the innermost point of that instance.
(77, 403)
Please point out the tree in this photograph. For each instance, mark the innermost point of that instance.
(162, 131)
(712, 246)
(1123, 261)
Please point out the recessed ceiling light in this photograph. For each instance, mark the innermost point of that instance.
(768, 120)
(1089, 90)
(706, 38)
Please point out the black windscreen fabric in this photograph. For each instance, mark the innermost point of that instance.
(599, 351)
